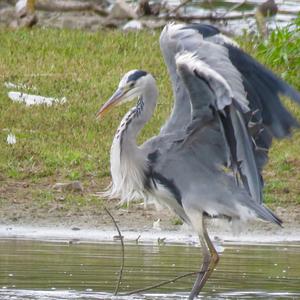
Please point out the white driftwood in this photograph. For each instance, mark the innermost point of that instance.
(34, 99)
(11, 139)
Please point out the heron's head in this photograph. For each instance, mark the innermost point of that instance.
(130, 87)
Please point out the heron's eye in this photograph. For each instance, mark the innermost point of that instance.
(131, 84)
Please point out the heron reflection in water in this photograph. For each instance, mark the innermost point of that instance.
(226, 112)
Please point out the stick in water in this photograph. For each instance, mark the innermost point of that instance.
(123, 255)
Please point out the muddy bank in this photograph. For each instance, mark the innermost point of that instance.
(26, 213)
(219, 231)
(38, 210)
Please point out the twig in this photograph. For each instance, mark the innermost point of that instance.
(137, 239)
(234, 7)
(179, 6)
(56, 16)
(287, 12)
(210, 17)
(160, 284)
(66, 6)
(123, 255)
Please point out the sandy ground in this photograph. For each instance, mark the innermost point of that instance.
(23, 216)
(219, 231)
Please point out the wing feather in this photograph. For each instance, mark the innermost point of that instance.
(254, 88)
(268, 88)
(249, 80)
(176, 38)
(210, 96)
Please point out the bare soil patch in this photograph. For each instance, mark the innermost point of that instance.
(38, 204)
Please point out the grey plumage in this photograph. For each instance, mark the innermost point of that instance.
(220, 119)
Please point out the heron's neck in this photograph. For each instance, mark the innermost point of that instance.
(128, 161)
(136, 119)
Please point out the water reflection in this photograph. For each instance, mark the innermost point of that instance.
(44, 270)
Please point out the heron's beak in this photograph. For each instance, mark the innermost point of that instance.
(112, 101)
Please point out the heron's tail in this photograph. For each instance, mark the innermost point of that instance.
(266, 214)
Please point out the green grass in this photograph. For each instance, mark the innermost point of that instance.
(279, 52)
(65, 142)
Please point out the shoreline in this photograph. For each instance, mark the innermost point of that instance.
(184, 235)
(92, 224)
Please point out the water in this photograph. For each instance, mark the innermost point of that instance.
(59, 270)
(288, 10)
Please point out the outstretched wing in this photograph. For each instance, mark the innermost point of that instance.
(176, 38)
(267, 88)
(252, 85)
(212, 100)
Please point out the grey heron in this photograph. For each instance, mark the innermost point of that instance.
(227, 110)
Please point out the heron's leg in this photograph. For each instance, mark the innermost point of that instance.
(204, 269)
(210, 260)
(214, 257)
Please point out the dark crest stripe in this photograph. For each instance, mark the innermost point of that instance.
(136, 75)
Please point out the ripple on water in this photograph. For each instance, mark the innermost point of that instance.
(47, 270)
